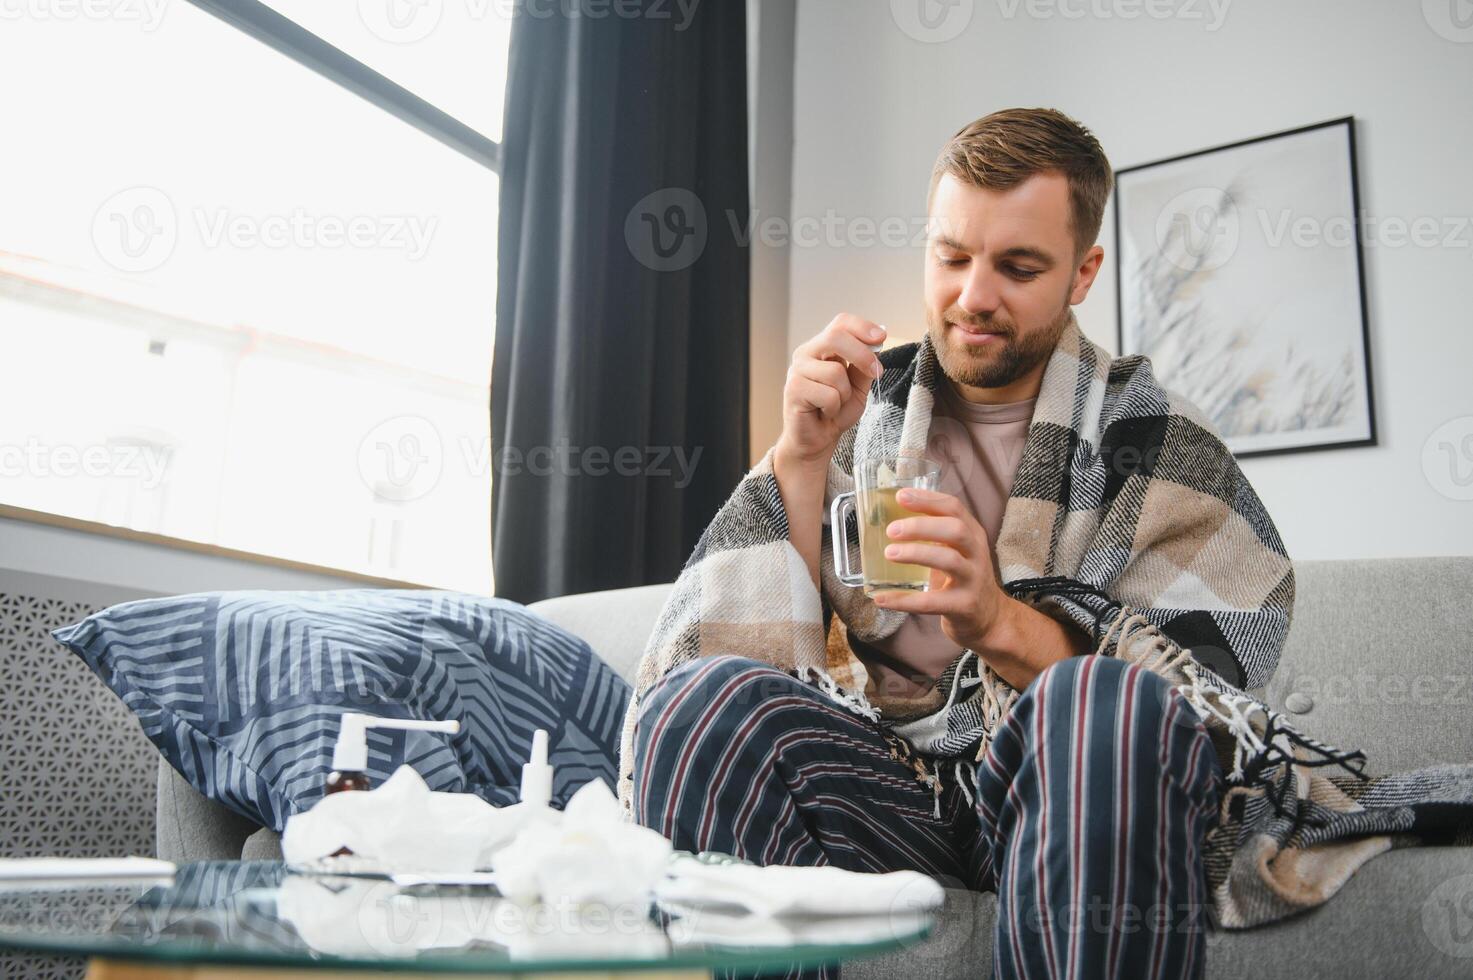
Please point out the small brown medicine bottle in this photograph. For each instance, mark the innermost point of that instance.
(350, 754)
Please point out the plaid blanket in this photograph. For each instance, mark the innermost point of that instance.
(1129, 518)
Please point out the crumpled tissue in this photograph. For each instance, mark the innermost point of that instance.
(780, 890)
(776, 905)
(586, 852)
(401, 825)
(709, 927)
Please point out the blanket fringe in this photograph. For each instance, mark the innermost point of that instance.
(855, 701)
(1254, 754)
(964, 774)
(931, 775)
(902, 752)
(960, 683)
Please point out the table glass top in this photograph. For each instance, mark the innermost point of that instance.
(259, 913)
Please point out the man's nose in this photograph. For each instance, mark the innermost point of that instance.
(980, 296)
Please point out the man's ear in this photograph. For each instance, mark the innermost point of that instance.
(1084, 275)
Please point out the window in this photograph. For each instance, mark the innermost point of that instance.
(240, 305)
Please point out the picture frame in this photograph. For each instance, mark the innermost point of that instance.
(1240, 272)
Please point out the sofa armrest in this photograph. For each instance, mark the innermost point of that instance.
(193, 828)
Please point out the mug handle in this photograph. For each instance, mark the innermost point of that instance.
(842, 503)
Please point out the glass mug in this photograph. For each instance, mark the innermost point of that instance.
(876, 482)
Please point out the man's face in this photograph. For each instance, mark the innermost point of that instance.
(1001, 274)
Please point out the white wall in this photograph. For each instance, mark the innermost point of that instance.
(770, 32)
(873, 105)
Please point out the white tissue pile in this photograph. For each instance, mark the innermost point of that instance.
(402, 825)
(585, 852)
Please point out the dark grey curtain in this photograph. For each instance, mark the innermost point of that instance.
(619, 383)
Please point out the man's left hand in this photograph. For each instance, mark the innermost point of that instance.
(946, 538)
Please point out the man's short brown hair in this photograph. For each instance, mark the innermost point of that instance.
(1005, 148)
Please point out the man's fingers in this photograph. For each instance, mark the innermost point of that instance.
(930, 501)
(866, 330)
(860, 379)
(847, 339)
(830, 373)
(948, 530)
(845, 345)
(941, 504)
(939, 602)
(937, 556)
(816, 396)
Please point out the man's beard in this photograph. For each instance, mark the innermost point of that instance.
(996, 364)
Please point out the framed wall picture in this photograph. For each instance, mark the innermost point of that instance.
(1240, 274)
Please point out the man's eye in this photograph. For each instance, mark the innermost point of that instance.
(1022, 275)
(948, 260)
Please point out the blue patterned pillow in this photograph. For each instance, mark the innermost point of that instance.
(242, 691)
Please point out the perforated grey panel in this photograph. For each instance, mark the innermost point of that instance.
(77, 775)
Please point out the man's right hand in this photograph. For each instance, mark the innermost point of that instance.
(828, 384)
(826, 389)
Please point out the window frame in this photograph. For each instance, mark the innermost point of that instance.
(284, 35)
(277, 31)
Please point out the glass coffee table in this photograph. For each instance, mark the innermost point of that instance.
(235, 919)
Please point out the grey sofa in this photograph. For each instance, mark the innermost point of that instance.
(1380, 657)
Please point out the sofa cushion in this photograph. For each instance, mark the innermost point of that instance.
(1419, 896)
(616, 622)
(1380, 658)
(242, 691)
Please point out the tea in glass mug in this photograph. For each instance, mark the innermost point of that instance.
(876, 482)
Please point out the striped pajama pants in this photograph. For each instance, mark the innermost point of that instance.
(1092, 803)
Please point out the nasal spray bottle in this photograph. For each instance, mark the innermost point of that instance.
(537, 774)
(535, 805)
(350, 755)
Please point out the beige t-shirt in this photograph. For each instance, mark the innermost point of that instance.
(978, 447)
